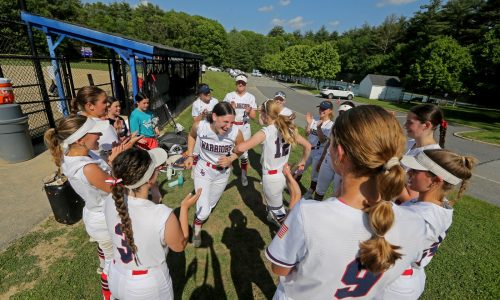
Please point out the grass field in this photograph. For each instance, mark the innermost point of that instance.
(57, 262)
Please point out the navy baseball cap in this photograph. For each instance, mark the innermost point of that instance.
(325, 105)
(280, 94)
(204, 89)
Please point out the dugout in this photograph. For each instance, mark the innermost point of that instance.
(168, 75)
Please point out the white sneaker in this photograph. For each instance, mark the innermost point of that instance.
(308, 194)
(197, 240)
(244, 180)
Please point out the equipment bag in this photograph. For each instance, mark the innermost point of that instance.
(66, 204)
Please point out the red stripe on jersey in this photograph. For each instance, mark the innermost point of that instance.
(283, 230)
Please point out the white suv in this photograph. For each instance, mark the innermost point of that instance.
(336, 91)
(256, 73)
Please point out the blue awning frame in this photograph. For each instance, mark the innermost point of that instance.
(128, 49)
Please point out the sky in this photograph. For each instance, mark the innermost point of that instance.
(262, 15)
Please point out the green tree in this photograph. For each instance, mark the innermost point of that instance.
(238, 56)
(294, 60)
(441, 68)
(323, 62)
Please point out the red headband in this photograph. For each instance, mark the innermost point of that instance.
(444, 124)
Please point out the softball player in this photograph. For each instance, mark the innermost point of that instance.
(432, 173)
(318, 132)
(142, 231)
(374, 241)
(217, 138)
(204, 104)
(201, 108)
(276, 139)
(91, 102)
(326, 174)
(421, 122)
(71, 144)
(245, 106)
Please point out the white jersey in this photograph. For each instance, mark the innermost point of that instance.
(316, 145)
(320, 241)
(199, 106)
(211, 145)
(148, 225)
(412, 150)
(107, 138)
(437, 221)
(286, 112)
(242, 102)
(275, 151)
(72, 167)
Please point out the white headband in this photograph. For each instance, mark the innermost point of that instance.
(90, 126)
(158, 157)
(422, 162)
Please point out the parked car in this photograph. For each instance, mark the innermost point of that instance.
(214, 69)
(336, 91)
(256, 73)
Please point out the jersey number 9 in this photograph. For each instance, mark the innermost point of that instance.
(358, 280)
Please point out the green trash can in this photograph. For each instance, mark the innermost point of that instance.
(15, 140)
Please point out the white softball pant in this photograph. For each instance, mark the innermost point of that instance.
(213, 183)
(156, 284)
(406, 287)
(273, 186)
(246, 131)
(312, 161)
(95, 225)
(326, 176)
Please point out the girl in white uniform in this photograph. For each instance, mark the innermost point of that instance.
(317, 132)
(91, 102)
(421, 122)
(245, 106)
(433, 173)
(354, 245)
(217, 138)
(326, 174)
(142, 231)
(276, 139)
(71, 144)
(204, 104)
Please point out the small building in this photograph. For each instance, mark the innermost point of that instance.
(380, 87)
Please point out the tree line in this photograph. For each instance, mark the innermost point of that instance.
(447, 48)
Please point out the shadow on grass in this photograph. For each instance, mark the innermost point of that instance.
(303, 87)
(180, 273)
(206, 291)
(247, 267)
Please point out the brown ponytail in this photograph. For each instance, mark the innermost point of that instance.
(377, 254)
(118, 192)
(54, 137)
(460, 166)
(431, 113)
(129, 166)
(371, 137)
(86, 94)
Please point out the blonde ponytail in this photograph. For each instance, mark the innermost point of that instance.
(52, 143)
(377, 254)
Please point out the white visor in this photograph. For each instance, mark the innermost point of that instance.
(344, 107)
(422, 162)
(241, 78)
(90, 126)
(158, 157)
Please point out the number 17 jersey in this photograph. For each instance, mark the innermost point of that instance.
(275, 151)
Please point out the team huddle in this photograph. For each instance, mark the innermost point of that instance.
(388, 215)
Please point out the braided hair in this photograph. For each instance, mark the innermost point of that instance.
(130, 166)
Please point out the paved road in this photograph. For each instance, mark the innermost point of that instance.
(485, 183)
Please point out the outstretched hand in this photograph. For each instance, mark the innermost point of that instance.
(191, 199)
(309, 118)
